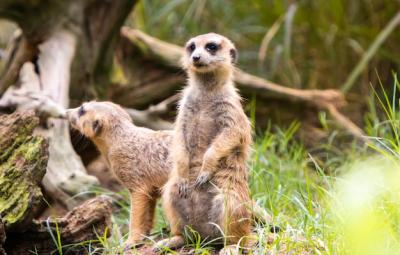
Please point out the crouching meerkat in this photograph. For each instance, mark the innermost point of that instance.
(138, 156)
(208, 187)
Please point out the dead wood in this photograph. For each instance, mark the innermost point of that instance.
(77, 230)
(142, 80)
(70, 44)
(23, 160)
(145, 119)
(151, 116)
(19, 52)
(65, 174)
(326, 100)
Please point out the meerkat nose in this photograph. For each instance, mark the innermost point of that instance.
(68, 112)
(196, 58)
(69, 116)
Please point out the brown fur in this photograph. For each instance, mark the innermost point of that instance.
(212, 139)
(138, 156)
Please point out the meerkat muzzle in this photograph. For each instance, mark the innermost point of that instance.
(70, 117)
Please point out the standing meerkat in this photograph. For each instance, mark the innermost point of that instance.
(208, 186)
(138, 156)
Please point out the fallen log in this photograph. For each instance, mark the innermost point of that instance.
(72, 234)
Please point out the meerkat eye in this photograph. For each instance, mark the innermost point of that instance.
(81, 111)
(212, 47)
(191, 47)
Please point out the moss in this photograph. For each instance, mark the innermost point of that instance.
(22, 167)
(7, 152)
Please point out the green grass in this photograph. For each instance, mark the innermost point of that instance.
(336, 198)
(317, 43)
(344, 203)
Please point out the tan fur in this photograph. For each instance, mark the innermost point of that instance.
(138, 156)
(212, 138)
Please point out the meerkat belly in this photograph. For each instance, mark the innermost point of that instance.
(202, 212)
(207, 211)
(199, 130)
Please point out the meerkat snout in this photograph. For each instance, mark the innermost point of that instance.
(70, 117)
(196, 58)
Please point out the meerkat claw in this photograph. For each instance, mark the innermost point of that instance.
(183, 189)
(203, 178)
(131, 246)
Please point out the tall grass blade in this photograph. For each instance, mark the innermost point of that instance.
(371, 52)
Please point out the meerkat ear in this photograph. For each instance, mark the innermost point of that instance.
(234, 55)
(96, 126)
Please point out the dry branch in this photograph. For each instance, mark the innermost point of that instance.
(150, 117)
(146, 119)
(327, 100)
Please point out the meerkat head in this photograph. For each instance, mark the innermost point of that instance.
(209, 53)
(94, 118)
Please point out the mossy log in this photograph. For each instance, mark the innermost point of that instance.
(71, 234)
(23, 161)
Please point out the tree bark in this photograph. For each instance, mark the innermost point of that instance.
(23, 160)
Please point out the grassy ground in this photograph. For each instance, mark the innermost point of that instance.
(326, 200)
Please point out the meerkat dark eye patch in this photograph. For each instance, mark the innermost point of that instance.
(233, 53)
(96, 126)
(191, 47)
(81, 111)
(212, 47)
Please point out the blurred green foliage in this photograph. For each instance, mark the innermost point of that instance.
(316, 44)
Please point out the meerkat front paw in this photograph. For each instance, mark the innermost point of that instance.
(183, 187)
(203, 177)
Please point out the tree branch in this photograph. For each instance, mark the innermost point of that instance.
(327, 100)
(150, 117)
